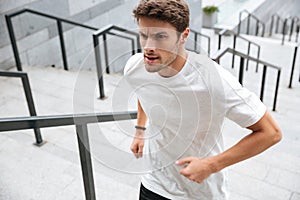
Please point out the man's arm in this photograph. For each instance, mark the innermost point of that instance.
(265, 133)
(137, 144)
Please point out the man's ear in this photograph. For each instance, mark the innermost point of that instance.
(185, 35)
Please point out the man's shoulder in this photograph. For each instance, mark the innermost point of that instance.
(202, 63)
(199, 60)
(133, 62)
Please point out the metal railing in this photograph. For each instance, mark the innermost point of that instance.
(277, 24)
(59, 22)
(294, 23)
(235, 36)
(80, 121)
(196, 34)
(217, 56)
(258, 22)
(29, 99)
(290, 25)
(293, 65)
(104, 32)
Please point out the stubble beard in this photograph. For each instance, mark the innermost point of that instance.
(163, 65)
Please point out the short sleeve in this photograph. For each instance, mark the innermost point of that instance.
(242, 106)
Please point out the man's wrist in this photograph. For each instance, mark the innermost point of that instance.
(140, 127)
(214, 164)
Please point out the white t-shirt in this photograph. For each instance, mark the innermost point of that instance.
(186, 114)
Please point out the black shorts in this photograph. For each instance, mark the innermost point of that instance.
(146, 194)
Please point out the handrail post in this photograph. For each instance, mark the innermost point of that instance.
(233, 55)
(86, 161)
(283, 31)
(277, 25)
(271, 25)
(13, 42)
(297, 32)
(258, 55)
(241, 72)
(262, 90)
(248, 24)
(105, 53)
(195, 41)
(240, 23)
(62, 44)
(276, 90)
(293, 66)
(98, 66)
(257, 27)
(208, 44)
(263, 30)
(291, 30)
(248, 53)
(219, 41)
(299, 77)
(139, 47)
(32, 111)
(132, 47)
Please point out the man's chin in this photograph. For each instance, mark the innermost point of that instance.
(152, 68)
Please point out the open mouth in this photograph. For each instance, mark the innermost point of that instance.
(151, 59)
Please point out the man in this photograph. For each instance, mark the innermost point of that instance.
(185, 97)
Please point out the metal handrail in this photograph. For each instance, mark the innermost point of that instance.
(217, 56)
(278, 19)
(235, 36)
(21, 123)
(293, 21)
(59, 21)
(29, 99)
(258, 22)
(80, 121)
(294, 24)
(103, 32)
(196, 33)
(293, 65)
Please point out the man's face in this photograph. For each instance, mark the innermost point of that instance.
(160, 42)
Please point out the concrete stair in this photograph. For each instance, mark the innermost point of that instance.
(53, 170)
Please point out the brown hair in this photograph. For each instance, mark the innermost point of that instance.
(175, 12)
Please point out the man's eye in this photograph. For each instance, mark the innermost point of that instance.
(143, 36)
(161, 37)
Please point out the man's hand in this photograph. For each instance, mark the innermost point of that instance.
(196, 169)
(137, 144)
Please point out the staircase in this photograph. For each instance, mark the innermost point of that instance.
(53, 171)
(53, 94)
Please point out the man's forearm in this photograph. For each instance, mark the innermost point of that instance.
(141, 116)
(265, 134)
(248, 147)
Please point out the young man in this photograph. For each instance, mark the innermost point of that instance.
(185, 97)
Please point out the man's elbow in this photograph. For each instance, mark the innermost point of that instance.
(276, 135)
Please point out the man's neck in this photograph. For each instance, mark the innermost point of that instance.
(176, 66)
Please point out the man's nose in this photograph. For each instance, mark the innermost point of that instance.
(150, 45)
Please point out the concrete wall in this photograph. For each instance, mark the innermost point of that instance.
(37, 36)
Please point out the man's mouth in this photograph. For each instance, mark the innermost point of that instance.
(150, 59)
